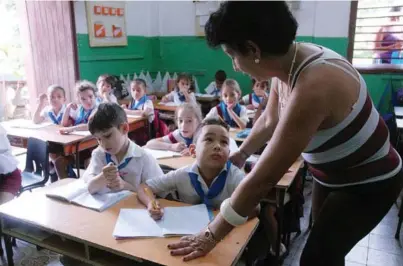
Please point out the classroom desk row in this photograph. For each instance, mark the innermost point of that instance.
(72, 144)
(86, 235)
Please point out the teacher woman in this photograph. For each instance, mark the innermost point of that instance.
(324, 113)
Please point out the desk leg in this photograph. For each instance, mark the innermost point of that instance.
(78, 159)
(280, 194)
(9, 250)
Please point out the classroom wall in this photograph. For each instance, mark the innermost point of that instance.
(161, 37)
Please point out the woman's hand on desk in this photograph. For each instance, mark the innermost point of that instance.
(192, 247)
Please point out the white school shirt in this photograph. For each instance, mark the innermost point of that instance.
(177, 135)
(243, 114)
(211, 88)
(246, 101)
(48, 109)
(174, 97)
(142, 167)
(179, 180)
(8, 163)
(233, 147)
(74, 113)
(149, 106)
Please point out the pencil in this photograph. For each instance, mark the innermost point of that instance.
(150, 194)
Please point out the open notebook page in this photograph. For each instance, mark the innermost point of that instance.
(134, 223)
(81, 133)
(28, 124)
(100, 201)
(160, 154)
(186, 220)
(70, 191)
(134, 116)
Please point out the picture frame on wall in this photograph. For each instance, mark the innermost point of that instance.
(106, 23)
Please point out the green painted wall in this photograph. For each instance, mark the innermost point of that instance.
(189, 54)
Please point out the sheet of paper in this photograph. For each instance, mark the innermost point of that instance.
(250, 112)
(81, 133)
(159, 154)
(133, 223)
(253, 158)
(69, 191)
(100, 201)
(168, 104)
(134, 116)
(203, 20)
(233, 147)
(186, 220)
(28, 124)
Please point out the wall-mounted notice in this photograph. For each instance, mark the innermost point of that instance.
(203, 10)
(106, 23)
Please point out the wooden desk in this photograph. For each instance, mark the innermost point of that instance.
(281, 188)
(72, 144)
(88, 236)
(163, 107)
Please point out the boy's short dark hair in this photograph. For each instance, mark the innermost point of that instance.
(269, 24)
(210, 122)
(107, 115)
(220, 75)
(84, 85)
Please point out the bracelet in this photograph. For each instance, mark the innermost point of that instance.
(244, 154)
(230, 215)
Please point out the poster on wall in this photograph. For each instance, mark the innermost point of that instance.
(203, 9)
(106, 23)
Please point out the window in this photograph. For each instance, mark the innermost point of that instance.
(376, 35)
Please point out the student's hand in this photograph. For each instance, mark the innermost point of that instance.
(178, 147)
(72, 106)
(250, 107)
(124, 106)
(43, 98)
(230, 106)
(65, 130)
(117, 184)
(110, 172)
(155, 213)
(164, 99)
(264, 102)
(185, 152)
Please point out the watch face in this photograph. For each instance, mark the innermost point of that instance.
(207, 234)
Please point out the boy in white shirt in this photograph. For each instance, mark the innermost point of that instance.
(214, 88)
(117, 163)
(210, 180)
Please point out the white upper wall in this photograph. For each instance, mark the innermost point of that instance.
(177, 18)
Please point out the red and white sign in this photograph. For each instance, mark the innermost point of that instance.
(106, 23)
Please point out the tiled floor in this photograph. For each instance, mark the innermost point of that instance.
(379, 248)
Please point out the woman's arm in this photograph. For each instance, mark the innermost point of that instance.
(300, 122)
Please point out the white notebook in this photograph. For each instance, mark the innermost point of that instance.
(28, 124)
(134, 116)
(77, 193)
(168, 104)
(81, 133)
(177, 221)
(160, 154)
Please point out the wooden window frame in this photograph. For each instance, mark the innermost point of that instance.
(370, 68)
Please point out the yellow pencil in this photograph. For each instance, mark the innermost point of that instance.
(150, 194)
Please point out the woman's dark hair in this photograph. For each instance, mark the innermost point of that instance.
(269, 24)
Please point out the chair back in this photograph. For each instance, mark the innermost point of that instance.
(37, 161)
